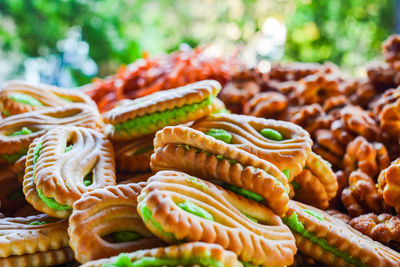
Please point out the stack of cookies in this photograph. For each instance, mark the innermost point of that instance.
(169, 179)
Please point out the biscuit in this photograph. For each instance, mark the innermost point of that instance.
(191, 151)
(146, 115)
(111, 222)
(284, 144)
(176, 206)
(65, 163)
(334, 243)
(187, 254)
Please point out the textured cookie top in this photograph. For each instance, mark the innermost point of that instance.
(188, 254)
(163, 100)
(342, 236)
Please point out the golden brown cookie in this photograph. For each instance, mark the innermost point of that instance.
(389, 185)
(176, 206)
(146, 115)
(187, 254)
(191, 151)
(332, 242)
(65, 163)
(20, 96)
(18, 131)
(111, 222)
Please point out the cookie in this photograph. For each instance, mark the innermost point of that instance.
(191, 151)
(65, 163)
(332, 242)
(188, 254)
(134, 156)
(176, 206)
(36, 238)
(146, 115)
(21, 96)
(111, 222)
(284, 144)
(18, 131)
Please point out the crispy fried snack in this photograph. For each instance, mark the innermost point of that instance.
(388, 97)
(134, 156)
(328, 147)
(381, 76)
(176, 206)
(389, 185)
(17, 132)
(282, 143)
(391, 48)
(370, 158)
(318, 88)
(11, 195)
(111, 222)
(317, 183)
(358, 121)
(343, 182)
(333, 104)
(33, 241)
(383, 227)
(266, 105)
(20, 96)
(297, 70)
(332, 242)
(65, 163)
(389, 119)
(187, 254)
(146, 115)
(311, 118)
(189, 150)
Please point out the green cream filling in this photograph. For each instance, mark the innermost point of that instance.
(14, 157)
(88, 179)
(142, 124)
(25, 99)
(143, 150)
(148, 216)
(201, 185)
(125, 236)
(271, 134)
(244, 192)
(196, 210)
(315, 214)
(23, 131)
(251, 218)
(220, 134)
(16, 195)
(123, 260)
(222, 110)
(38, 223)
(247, 264)
(5, 112)
(286, 172)
(68, 148)
(294, 224)
(295, 185)
(66, 99)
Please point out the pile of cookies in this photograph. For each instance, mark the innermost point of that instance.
(170, 179)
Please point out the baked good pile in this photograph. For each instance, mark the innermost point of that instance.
(229, 167)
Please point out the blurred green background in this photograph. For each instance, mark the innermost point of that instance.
(68, 42)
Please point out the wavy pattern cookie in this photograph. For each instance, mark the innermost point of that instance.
(111, 222)
(65, 163)
(17, 132)
(145, 115)
(188, 254)
(134, 156)
(191, 151)
(176, 206)
(21, 96)
(334, 243)
(284, 144)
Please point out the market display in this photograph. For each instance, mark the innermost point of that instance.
(187, 160)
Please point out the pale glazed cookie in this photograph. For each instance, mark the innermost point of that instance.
(191, 151)
(40, 239)
(21, 96)
(17, 132)
(176, 206)
(11, 196)
(111, 222)
(316, 184)
(65, 163)
(282, 143)
(134, 156)
(194, 254)
(143, 116)
(332, 242)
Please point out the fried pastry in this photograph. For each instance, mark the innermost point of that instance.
(318, 88)
(389, 119)
(18, 131)
(332, 242)
(187, 254)
(65, 163)
(191, 151)
(176, 206)
(20, 96)
(111, 222)
(146, 115)
(389, 185)
(328, 147)
(266, 105)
